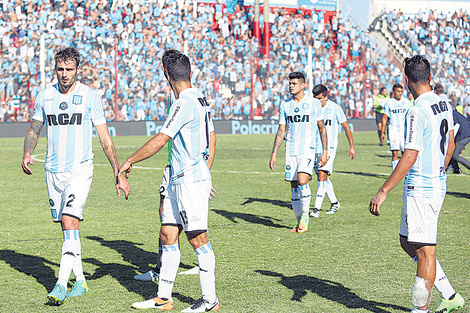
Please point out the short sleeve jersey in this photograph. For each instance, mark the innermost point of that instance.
(427, 126)
(68, 119)
(396, 111)
(189, 124)
(333, 117)
(301, 120)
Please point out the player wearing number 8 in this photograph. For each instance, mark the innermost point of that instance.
(429, 144)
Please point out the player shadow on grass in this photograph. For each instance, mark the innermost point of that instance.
(251, 218)
(31, 265)
(330, 290)
(459, 194)
(132, 253)
(120, 272)
(364, 174)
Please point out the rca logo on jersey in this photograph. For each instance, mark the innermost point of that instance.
(63, 106)
(439, 108)
(64, 119)
(327, 122)
(77, 100)
(298, 118)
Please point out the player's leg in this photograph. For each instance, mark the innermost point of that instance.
(193, 203)
(291, 176)
(394, 159)
(321, 191)
(170, 256)
(206, 262)
(378, 121)
(330, 192)
(425, 276)
(153, 274)
(305, 198)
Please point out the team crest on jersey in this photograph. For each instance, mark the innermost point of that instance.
(296, 110)
(304, 105)
(77, 100)
(63, 106)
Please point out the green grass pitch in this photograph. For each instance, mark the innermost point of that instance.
(347, 262)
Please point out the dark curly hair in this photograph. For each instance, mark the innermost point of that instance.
(68, 54)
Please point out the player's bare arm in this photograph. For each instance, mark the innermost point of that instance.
(212, 141)
(110, 151)
(384, 122)
(210, 160)
(147, 150)
(324, 142)
(450, 148)
(30, 143)
(404, 165)
(281, 134)
(347, 131)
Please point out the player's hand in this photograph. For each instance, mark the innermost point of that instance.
(272, 162)
(25, 164)
(382, 137)
(212, 193)
(376, 202)
(352, 153)
(122, 183)
(323, 159)
(126, 167)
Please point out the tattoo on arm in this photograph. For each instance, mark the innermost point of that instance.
(324, 140)
(278, 141)
(31, 139)
(110, 152)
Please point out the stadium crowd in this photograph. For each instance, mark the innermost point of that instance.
(218, 43)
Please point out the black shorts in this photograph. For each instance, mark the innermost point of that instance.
(378, 117)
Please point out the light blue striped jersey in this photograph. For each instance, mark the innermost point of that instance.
(427, 126)
(301, 120)
(68, 120)
(333, 117)
(189, 124)
(396, 111)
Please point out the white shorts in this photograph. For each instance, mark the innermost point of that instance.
(69, 190)
(397, 141)
(165, 181)
(419, 219)
(328, 167)
(187, 205)
(299, 164)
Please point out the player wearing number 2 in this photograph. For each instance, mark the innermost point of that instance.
(300, 118)
(429, 143)
(68, 109)
(186, 205)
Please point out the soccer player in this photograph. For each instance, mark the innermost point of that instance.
(190, 128)
(395, 109)
(333, 116)
(428, 148)
(69, 109)
(378, 106)
(300, 118)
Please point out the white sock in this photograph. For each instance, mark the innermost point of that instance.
(441, 282)
(305, 197)
(330, 192)
(206, 260)
(296, 206)
(321, 190)
(77, 265)
(70, 248)
(394, 164)
(171, 257)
